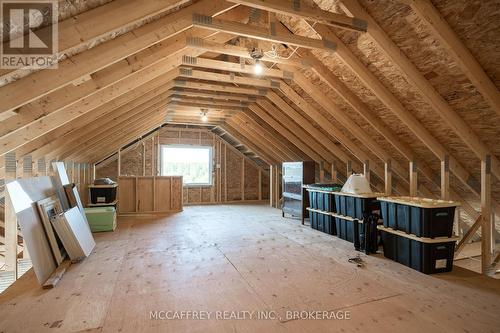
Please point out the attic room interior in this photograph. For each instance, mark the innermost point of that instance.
(250, 166)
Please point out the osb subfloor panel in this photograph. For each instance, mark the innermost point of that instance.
(244, 258)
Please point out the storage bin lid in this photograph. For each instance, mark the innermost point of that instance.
(328, 187)
(421, 202)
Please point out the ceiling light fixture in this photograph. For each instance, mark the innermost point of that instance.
(257, 54)
(204, 116)
(257, 68)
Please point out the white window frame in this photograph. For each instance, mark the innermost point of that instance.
(210, 163)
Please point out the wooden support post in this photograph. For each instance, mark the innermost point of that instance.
(260, 184)
(388, 178)
(10, 217)
(321, 172)
(366, 170)
(119, 163)
(272, 186)
(413, 179)
(445, 178)
(487, 224)
(92, 178)
(153, 156)
(242, 178)
(334, 173)
(143, 158)
(277, 186)
(225, 172)
(349, 169)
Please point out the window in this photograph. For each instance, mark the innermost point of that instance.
(193, 163)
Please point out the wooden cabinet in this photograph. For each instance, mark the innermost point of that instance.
(295, 199)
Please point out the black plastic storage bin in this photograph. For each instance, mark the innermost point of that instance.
(416, 219)
(322, 222)
(321, 197)
(102, 194)
(344, 229)
(363, 235)
(355, 206)
(424, 257)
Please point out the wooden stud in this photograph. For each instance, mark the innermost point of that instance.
(388, 178)
(260, 185)
(445, 178)
(487, 224)
(143, 158)
(334, 173)
(242, 178)
(413, 179)
(321, 171)
(349, 168)
(366, 171)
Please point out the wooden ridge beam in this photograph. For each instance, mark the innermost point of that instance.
(427, 91)
(302, 10)
(456, 48)
(240, 29)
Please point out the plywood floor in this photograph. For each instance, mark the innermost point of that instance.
(244, 258)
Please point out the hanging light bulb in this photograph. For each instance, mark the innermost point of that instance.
(258, 67)
(204, 117)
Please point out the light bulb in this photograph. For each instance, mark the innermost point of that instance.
(204, 118)
(257, 68)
